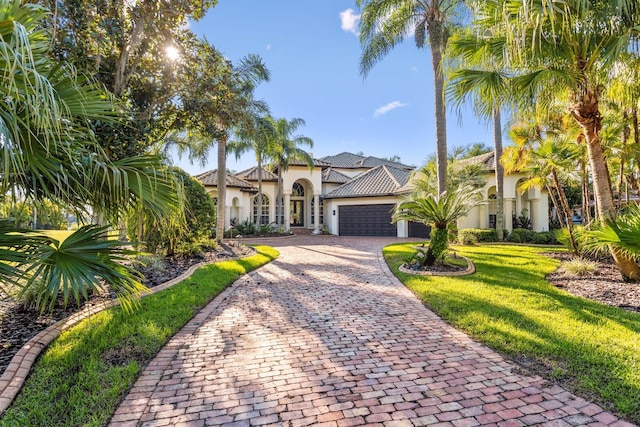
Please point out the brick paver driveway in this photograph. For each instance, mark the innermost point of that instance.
(326, 336)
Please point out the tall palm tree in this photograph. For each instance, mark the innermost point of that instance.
(255, 136)
(285, 148)
(220, 102)
(386, 23)
(570, 48)
(486, 83)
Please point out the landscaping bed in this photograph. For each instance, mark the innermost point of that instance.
(605, 285)
(18, 324)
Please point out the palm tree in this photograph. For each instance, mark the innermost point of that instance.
(487, 84)
(569, 48)
(220, 101)
(438, 210)
(544, 154)
(49, 152)
(620, 230)
(256, 137)
(385, 23)
(285, 148)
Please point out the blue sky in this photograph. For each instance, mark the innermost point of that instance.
(313, 52)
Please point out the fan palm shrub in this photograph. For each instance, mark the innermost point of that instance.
(49, 152)
(618, 233)
(439, 211)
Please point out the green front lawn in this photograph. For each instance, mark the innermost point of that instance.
(85, 373)
(509, 306)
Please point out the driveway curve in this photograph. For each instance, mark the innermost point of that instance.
(326, 336)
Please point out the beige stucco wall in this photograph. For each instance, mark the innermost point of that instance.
(534, 200)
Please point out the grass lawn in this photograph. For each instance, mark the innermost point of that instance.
(508, 305)
(59, 235)
(85, 373)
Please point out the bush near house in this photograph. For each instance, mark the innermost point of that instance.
(469, 236)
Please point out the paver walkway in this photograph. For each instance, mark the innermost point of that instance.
(326, 336)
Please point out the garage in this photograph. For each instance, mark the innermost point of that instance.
(366, 220)
(417, 229)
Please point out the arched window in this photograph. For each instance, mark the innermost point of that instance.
(297, 190)
(261, 215)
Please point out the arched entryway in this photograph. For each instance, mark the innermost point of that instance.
(303, 205)
(297, 205)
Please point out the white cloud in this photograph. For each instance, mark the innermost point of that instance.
(269, 47)
(414, 69)
(386, 108)
(349, 21)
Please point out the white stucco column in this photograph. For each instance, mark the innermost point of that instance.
(484, 218)
(508, 214)
(287, 211)
(316, 213)
(227, 217)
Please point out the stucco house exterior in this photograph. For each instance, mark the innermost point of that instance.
(354, 195)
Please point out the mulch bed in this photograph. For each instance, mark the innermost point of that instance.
(604, 285)
(18, 324)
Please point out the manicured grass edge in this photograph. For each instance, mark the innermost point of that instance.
(587, 347)
(86, 372)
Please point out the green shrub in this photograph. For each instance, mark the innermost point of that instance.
(480, 234)
(579, 267)
(514, 238)
(525, 235)
(467, 239)
(190, 223)
(246, 227)
(544, 238)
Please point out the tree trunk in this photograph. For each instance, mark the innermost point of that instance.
(497, 144)
(222, 188)
(279, 201)
(121, 78)
(587, 114)
(259, 196)
(440, 112)
(555, 205)
(586, 198)
(565, 207)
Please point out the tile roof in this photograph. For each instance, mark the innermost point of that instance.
(316, 162)
(210, 178)
(486, 161)
(354, 161)
(380, 181)
(251, 174)
(333, 176)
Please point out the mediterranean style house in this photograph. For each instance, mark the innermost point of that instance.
(354, 195)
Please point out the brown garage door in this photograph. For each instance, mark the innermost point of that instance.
(366, 220)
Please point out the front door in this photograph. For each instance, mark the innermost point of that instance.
(297, 213)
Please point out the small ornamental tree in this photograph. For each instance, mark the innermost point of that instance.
(438, 211)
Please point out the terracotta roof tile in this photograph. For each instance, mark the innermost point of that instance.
(355, 161)
(486, 161)
(251, 174)
(333, 176)
(380, 181)
(210, 178)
